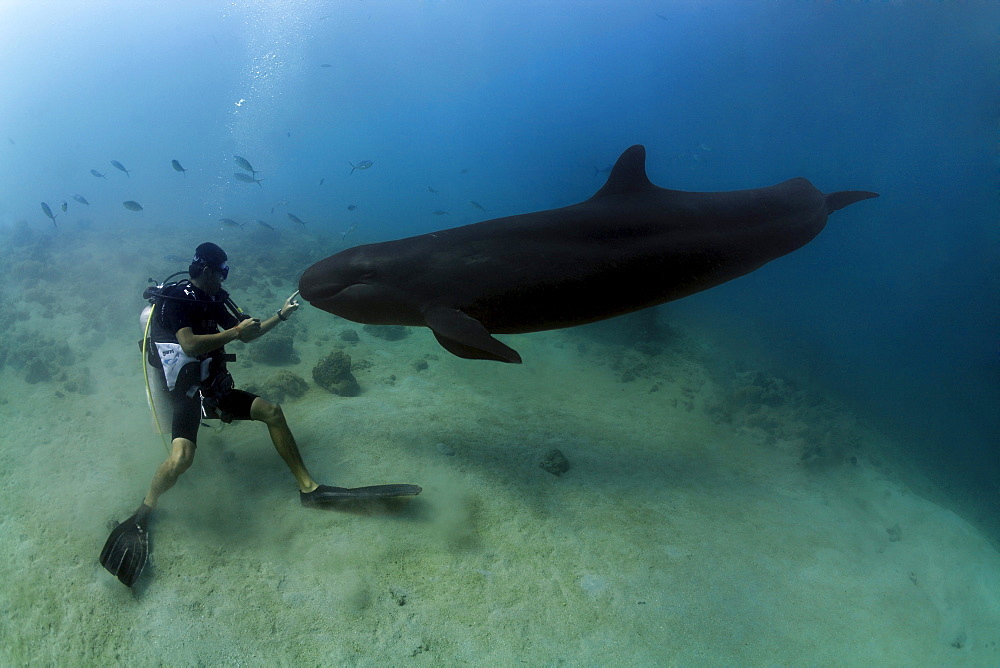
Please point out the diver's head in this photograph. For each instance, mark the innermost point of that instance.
(208, 269)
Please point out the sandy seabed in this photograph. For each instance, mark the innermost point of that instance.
(707, 517)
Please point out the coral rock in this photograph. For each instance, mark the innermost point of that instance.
(333, 373)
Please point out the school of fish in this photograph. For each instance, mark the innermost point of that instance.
(247, 175)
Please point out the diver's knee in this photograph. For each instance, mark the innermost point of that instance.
(277, 415)
(183, 463)
(268, 412)
(181, 457)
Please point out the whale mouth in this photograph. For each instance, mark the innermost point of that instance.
(326, 281)
(315, 293)
(317, 284)
(347, 300)
(324, 295)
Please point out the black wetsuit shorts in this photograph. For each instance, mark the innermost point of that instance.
(231, 405)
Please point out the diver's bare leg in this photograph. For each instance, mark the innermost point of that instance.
(271, 414)
(181, 456)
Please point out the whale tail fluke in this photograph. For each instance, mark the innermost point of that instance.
(838, 200)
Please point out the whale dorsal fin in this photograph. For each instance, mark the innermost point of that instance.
(628, 175)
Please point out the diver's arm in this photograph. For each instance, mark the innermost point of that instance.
(290, 306)
(194, 345)
(267, 325)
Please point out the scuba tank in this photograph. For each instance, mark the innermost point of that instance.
(157, 388)
(156, 385)
(157, 395)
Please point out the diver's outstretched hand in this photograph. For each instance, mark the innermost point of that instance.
(290, 306)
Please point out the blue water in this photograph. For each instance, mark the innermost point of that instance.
(516, 104)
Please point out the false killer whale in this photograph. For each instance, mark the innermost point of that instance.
(630, 246)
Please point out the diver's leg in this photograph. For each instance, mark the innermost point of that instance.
(184, 431)
(271, 414)
(181, 456)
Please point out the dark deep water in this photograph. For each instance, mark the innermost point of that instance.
(516, 105)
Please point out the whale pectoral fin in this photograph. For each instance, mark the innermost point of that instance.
(838, 200)
(464, 336)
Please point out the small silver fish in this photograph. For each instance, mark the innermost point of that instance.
(48, 212)
(352, 207)
(277, 204)
(244, 164)
(98, 174)
(177, 166)
(263, 224)
(478, 206)
(441, 212)
(295, 219)
(247, 178)
(322, 180)
(120, 166)
(349, 230)
(64, 206)
(229, 222)
(81, 199)
(364, 164)
(429, 189)
(132, 205)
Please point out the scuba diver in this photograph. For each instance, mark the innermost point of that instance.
(190, 324)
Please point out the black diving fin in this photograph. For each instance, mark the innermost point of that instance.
(127, 549)
(326, 496)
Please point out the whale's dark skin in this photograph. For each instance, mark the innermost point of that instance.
(630, 246)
